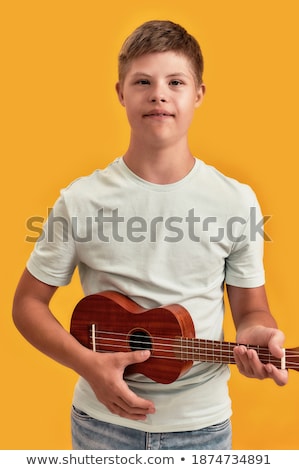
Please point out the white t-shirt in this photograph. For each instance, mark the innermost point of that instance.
(158, 244)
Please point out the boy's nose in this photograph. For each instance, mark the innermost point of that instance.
(158, 94)
(160, 99)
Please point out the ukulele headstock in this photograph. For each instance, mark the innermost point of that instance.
(292, 358)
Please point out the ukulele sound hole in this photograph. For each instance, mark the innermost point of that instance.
(140, 339)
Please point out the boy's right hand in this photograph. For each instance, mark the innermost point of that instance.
(103, 371)
(104, 374)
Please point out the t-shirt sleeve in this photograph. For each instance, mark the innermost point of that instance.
(244, 265)
(54, 257)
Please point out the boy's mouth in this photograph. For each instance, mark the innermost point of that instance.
(158, 113)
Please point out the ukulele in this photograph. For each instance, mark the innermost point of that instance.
(111, 322)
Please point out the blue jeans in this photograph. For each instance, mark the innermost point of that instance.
(91, 434)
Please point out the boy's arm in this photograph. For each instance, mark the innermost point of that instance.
(104, 372)
(255, 325)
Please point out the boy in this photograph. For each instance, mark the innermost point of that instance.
(163, 228)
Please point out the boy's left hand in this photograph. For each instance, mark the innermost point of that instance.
(248, 361)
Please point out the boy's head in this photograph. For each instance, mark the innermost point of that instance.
(160, 36)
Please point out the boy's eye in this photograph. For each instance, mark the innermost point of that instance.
(143, 81)
(175, 82)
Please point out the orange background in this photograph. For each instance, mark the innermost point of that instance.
(61, 119)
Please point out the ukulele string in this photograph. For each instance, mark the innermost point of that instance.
(208, 358)
(228, 359)
(223, 352)
(123, 344)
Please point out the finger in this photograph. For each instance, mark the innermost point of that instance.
(130, 400)
(242, 356)
(141, 411)
(135, 414)
(279, 376)
(131, 406)
(275, 344)
(134, 357)
(257, 367)
(126, 399)
(248, 363)
(126, 403)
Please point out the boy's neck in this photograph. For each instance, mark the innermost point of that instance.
(159, 166)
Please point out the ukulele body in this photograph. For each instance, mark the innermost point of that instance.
(120, 325)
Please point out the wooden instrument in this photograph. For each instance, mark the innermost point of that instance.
(111, 322)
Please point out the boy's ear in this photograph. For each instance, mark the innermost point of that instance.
(200, 94)
(119, 92)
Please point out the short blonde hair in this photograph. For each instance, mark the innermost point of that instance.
(160, 36)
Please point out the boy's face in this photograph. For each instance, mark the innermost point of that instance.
(160, 95)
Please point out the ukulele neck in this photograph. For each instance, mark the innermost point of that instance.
(193, 349)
